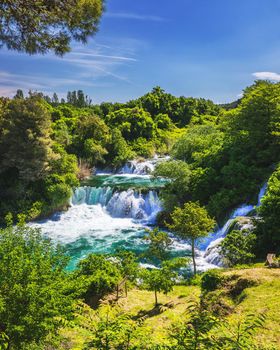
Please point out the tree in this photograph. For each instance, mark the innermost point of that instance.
(268, 229)
(33, 296)
(192, 223)
(40, 27)
(97, 275)
(132, 122)
(19, 94)
(162, 279)
(159, 244)
(177, 191)
(27, 121)
(55, 99)
(237, 247)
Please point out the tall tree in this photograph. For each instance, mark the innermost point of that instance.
(42, 26)
(191, 223)
(33, 295)
(25, 143)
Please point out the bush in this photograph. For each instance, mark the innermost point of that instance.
(211, 280)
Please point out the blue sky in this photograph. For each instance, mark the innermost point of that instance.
(202, 48)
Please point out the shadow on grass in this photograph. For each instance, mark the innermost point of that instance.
(156, 310)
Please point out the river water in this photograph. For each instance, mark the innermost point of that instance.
(113, 211)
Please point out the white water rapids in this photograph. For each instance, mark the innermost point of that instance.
(105, 217)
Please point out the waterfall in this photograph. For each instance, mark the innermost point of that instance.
(212, 253)
(120, 204)
(138, 167)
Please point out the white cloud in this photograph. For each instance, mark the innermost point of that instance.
(82, 67)
(267, 76)
(135, 16)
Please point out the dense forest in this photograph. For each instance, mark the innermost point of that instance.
(220, 157)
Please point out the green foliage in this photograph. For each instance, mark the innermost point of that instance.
(241, 337)
(159, 244)
(191, 223)
(33, 297)
(129, 266)
(97, 275)
(237, 247)
(211, 280)
(202, 330)
(132, 122)
(199, 145)
(29, 27)
(28, 123)
(162, 279)
(110, 328)
(268, 231)
(118, 149)
(193, 333)
(175, 192)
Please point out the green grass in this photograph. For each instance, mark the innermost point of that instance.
(262, 297)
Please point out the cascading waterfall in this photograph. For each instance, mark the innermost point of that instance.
(111, 214)
(124, 204)
(212, 253)
(113, 210)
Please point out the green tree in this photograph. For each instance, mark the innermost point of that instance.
(118, 149)
(19, 94)
(48, 26)
(28, 122)
(97, 275)
(237, 247)
(162, 279)
(33, 284)
(177, 191)
(159, 244)
(268, 230)
(132, 122)
(192, 223)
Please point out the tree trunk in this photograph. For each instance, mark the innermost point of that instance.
(193, 258)
(156, 300)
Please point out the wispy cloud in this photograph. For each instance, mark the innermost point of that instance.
(134, 16)
(81, 68)
(267, 76)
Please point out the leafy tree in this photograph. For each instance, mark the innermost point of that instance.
(55, 99)
(132, 122)
(177, 190)
(118, 149)
(19, 94)
(28, 122)
(97, 276)
(48, 26)
(200, 144)
(33, 286)
(192, 223)
(237, 247)
(162, 279)
(128, 265)
(268, 231)
(159, 244)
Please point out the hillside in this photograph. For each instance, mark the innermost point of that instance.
(252, 291)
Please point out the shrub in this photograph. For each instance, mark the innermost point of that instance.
(211, 280)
